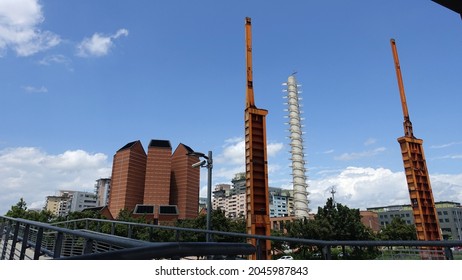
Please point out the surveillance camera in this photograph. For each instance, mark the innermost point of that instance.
(198, 164)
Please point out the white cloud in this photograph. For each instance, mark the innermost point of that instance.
(32, 89)
(370, 141)
(234, 151)
(447, 187)
(354, 156)
(450, 157)
(445, 145)
(56, 59)
(19, 28)
(274, 148)
(33, 174)
(363, 187)
(120, 32)
(232, 159)
(99, 44)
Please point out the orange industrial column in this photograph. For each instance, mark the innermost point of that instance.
(257, 217)
(415, 167)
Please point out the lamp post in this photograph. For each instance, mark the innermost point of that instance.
(208, 163)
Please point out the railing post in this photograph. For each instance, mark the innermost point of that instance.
(112, 228)
(25, 239)
(448, 253)
(2, 228)
(7, 236)
(151, 234)
(129, 231)
(58, 245)
(257, 243)
(326, 254)
(14, 241)
(38, 244)
(88, 249)
(71, 250)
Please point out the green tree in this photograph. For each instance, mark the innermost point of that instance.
(43, 216)
(278, 247)
(132, 231)
(219, 222)
(398, 230)
(19, 210)
(338, 222)
(334, 221)
(303, 229)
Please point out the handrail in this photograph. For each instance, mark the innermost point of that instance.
(171, 250)
(86, 234)
(315, 242)
(128, 248)
(16, 231)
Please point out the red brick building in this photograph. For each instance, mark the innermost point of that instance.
(371, 220)
(158, 171)
(160, 184)
(185, 183)
(127, 181)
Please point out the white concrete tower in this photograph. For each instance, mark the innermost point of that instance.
(296, 142)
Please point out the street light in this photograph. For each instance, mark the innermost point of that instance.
(208, 163)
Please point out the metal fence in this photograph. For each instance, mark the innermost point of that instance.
(24, 239)
(109, 239)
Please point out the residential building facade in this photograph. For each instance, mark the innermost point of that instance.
(58, 205)
(102, 190)
(70, 201)
(82, 200)
(449, 216)
(281, 202)
(231, 198)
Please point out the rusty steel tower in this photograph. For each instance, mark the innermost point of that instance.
(256, 165)
(415, 167)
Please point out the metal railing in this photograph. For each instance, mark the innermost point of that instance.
(24, 239)
(320, 249)
(110, 239)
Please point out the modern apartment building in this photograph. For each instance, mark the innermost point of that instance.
(232, 199)
(158, 184)
(57, 204)
(82, 200)
(102, 190)
(281, 202)
(70, 201)
(449, 216)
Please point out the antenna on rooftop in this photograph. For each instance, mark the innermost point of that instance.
(332, 191)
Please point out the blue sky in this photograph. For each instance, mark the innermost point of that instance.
(80, 79)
